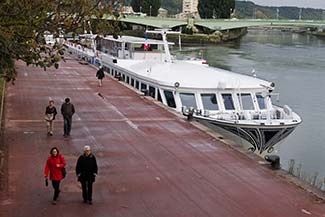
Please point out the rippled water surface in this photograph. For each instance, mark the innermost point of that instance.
(296, 64)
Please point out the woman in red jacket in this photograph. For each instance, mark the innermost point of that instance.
(54, 165)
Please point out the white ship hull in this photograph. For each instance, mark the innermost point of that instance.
(236, 105)
(261, 140)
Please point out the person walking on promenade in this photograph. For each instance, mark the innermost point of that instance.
(50, 113)
(86, 170)
(67, 110)
(100, 75)
(53, 166)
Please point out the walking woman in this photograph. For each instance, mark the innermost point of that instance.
(54, 165)
(50, 114)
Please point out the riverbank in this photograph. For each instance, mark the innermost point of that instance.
(199, 38)
(319, 34)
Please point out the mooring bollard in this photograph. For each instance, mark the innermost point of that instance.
(274, 160)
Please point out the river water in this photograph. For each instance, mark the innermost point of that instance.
(296, 64)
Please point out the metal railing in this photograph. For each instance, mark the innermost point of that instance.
(312, 178)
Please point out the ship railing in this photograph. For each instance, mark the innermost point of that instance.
(274, 114)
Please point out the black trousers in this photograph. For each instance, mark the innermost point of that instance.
(67, 126)
(87, 190)
(56, 186)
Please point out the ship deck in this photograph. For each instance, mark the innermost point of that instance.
(151, 162)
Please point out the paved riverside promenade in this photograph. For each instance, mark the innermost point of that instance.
(151, 162)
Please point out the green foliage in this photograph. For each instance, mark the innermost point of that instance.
(23, 24)
(150, 7)
(246, 10)
(173, 6)
(216, 8)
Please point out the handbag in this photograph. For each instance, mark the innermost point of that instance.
(64, 172)
(49, 117)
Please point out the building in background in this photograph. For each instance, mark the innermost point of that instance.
(190, 9)
(162, 12)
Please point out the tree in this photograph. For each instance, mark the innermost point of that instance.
(135, 4)
(23, 24)
(216, 8)
(150, 7)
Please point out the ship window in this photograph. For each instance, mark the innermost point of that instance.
(159, 96)
(261, 101)
(143, 86)
(137, 84)
(132, 82)
(209, 101)
(245, 101)
(152, 91)
(127, 79)
(170, 98)
(188, 99)
(228, 101)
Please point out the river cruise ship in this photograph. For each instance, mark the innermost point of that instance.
(237, 106)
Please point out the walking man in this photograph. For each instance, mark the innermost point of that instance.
(50, 113)
(86, 170)
(100, 75)
(67, 110)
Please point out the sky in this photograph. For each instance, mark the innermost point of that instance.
(297, 3)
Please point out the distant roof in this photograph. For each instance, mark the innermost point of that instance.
(214, 24)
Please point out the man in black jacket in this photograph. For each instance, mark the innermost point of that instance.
(100, 75)
(86, 171)
(67, 110)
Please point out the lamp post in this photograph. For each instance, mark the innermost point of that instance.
(150, 10)
(300, 13)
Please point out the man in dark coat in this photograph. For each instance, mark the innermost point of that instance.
(86, 171)
(67, 110)
(100, 75)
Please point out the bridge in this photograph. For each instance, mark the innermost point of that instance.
(220, 24)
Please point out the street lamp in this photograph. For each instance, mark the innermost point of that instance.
(150, 10)
(300, 14)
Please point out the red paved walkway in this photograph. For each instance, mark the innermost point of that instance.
(151, 163)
